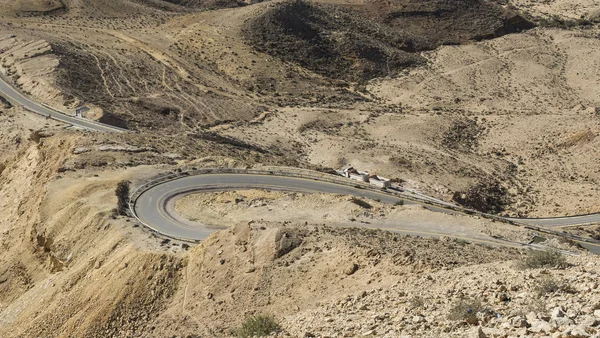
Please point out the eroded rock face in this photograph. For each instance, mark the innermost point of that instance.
(31, 64)
(207, 4)
(286, 241)
(461, 20)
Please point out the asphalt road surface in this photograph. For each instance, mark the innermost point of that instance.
(560, 221)
(16, 98)
(151, 205)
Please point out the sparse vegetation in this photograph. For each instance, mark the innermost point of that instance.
(35, 136)
(258, 326)
(550, 285)
(487, 196)
(416, 302)
(122, 193)
(546, 286)
(463, 135)
(5, 102)
(461, 242)
(401, 162)
(466, 309)
(543, 259)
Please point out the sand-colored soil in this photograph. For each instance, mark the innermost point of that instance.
(233, 207)
(31, 7)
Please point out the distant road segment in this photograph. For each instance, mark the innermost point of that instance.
(17, 98)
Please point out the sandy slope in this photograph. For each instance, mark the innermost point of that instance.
(230, 208)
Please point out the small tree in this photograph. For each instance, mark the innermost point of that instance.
(122, 193)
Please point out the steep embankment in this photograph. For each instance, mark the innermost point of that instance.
(67, 268)
(285, 268)
(31, 65)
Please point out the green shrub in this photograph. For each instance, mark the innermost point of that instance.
(258, 326)
(543, 259)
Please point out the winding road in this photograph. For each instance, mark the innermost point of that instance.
(150, 207)
(15, 97)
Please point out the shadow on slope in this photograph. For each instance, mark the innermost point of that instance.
(375, 39)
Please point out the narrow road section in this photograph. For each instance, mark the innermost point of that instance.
(16, 98)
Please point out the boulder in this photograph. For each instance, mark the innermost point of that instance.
(518, 322)
(350, 268)
(588, 321)
(531, 316)
(477, 333)
(579, 332)
(562, 322)
(557, 312)
(539, 326)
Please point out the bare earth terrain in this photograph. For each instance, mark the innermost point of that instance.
(495, 106)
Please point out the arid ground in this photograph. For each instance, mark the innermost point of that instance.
(466, 101)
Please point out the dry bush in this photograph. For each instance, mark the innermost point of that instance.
(551, 285)
(122, 193)
(416, 302)
(258, 326)
(487, 196)
(466, 309)
(543, 259)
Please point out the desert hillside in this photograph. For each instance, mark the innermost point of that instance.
(492, 105)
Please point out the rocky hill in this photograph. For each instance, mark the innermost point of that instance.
(377, 38)
(332, 41)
